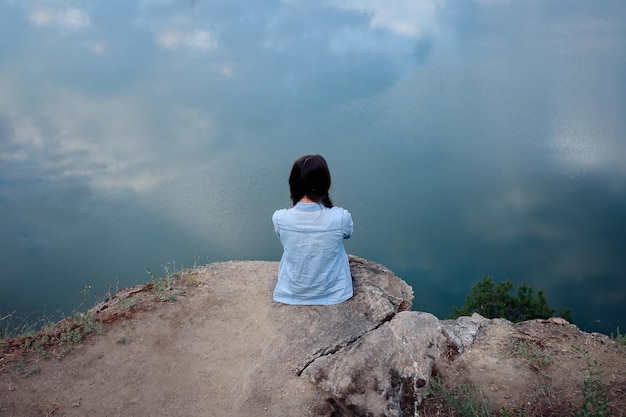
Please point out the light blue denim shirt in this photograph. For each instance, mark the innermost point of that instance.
(314, 268)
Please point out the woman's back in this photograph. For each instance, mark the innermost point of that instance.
(314, 267)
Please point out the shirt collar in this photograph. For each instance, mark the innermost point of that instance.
(308, 206)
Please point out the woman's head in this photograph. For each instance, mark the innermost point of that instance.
(310, 177)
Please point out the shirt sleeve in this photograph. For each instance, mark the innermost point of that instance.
(346, 224)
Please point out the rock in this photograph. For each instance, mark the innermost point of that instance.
(307, 333)
(462, 332)
(314, 331)
(384, 372)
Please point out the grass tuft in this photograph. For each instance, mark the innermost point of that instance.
(50, 337)
(594, 391)
(619, 338)
(537, 357)
(167, 287)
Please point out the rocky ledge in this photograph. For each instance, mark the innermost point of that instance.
(223, 348)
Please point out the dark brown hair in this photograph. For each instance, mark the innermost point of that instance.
(310, 177)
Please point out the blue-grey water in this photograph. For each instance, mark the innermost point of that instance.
(467, 138)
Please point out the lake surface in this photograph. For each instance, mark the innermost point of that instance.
(466, 138)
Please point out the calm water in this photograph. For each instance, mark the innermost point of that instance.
(467, 139)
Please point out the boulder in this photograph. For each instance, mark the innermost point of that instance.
(384, 372)
(315, 331)
(463, 331)
(304, 334)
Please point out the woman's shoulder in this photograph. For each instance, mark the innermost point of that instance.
(340, 209)
(341, 213)
(283, 213)
(280, 212)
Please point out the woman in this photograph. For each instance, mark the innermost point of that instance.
(314, 268)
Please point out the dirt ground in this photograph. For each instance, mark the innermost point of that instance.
(538, 368)
(189, 349)
(158, 357)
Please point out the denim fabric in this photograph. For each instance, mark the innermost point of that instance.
(314, 267)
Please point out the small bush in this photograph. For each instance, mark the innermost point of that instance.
(495, 300)
(594, 391)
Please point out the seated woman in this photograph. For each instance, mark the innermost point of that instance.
(314, 268)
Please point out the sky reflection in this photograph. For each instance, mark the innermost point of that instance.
(467, 138)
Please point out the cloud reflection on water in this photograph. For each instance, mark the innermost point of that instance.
(473, 138)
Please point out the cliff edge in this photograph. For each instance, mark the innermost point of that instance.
(210, 342)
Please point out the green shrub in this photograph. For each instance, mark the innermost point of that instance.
(496, 300)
